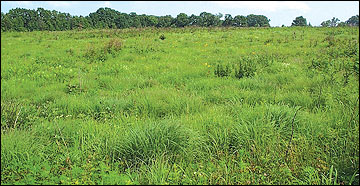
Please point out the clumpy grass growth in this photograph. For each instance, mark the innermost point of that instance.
(145, 143)
(181, 106)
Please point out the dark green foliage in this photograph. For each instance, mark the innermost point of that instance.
(299, 21)
(220, 71)
(242, 21)
(206, 19)
(257, 21)
(229, 20)
(330, 23)
(181, 20)
(21, 19)
(353, 21)
(165, 21)
(246, 68)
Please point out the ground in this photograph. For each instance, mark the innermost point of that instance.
(180, 106)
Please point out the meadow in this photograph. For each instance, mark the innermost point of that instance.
(180, 106)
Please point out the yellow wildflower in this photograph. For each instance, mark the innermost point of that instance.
(128, 182)
(205, 64)
(206, 45)
(253, 52)
(208, 65)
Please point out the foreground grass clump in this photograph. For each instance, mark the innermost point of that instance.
(180, 106)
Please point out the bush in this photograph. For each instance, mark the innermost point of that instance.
(246, 68)
(101, 54)
(162, 37)
(114, 45)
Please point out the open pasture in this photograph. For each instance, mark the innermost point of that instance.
(180, 106)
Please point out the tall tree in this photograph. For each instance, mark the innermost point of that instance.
(341, 24)
(165, 21)
(299, 21)
(330, 23)
(229, 20)
(122, 21)
(182, 20)
(152, 20)
(16, 16)
(257, 21)
(353, 21)
(6, 23)
(325, 23)
(334, 22)
(134, 20)
(240, 21)
(194, 20)
(207, 19)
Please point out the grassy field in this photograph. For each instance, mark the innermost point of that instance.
(180, 106)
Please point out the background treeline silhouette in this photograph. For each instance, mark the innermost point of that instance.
(20, 19)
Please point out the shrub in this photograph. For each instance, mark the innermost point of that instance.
(114, 45)
(162, 37)
(101, 54)
(246, 68)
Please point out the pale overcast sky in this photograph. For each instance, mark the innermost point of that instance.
(279, 12)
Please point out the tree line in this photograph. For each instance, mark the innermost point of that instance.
(334, 22)
(20, 19)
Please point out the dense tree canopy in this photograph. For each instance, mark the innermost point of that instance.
(165, 21)
(229, 21)
(353, 21)
(182, 20)
(299, 21)
(21, 19)
(240, 21)
(331, 23)
(335, 22)
(257, 21)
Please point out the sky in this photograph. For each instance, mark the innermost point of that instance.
(279, 12)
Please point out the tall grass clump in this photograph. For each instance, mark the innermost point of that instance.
(142, 144)
(100, 53)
